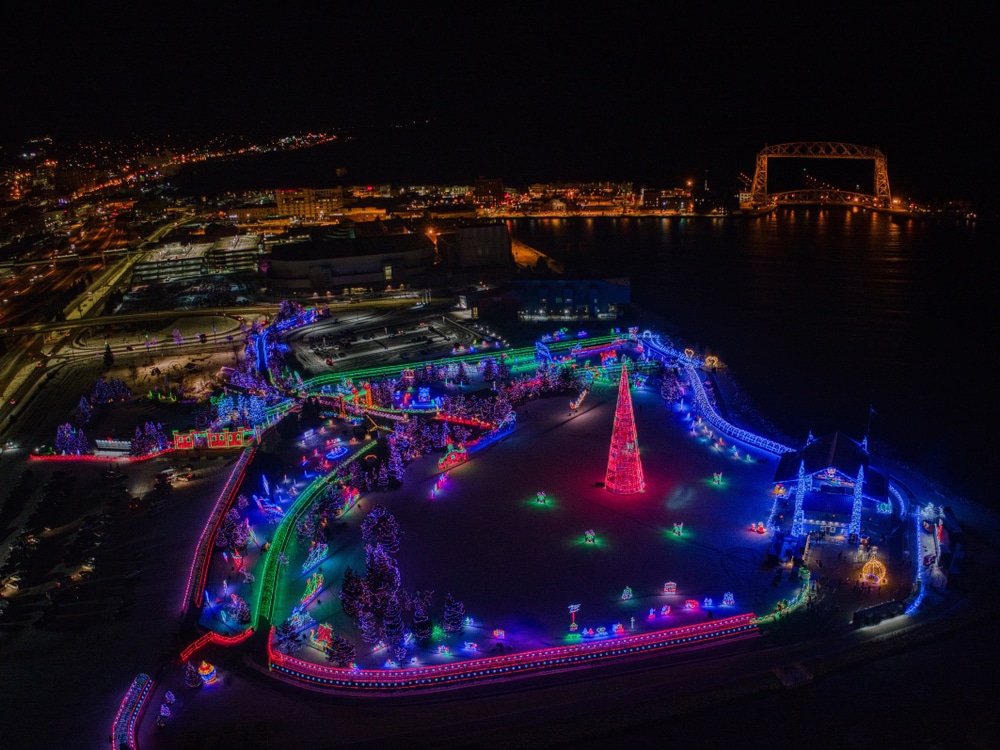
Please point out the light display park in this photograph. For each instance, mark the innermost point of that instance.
(427, 536)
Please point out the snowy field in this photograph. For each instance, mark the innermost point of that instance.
(517, 564)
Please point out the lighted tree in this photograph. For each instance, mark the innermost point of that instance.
(395, 630)
(83, 411)
(370, 630)
(191, 677)
(624, 476)
(65, 440)
(177, 336)
(798, 517)
(239, 610)
(422, 627)
(454, 614)
(341, 651)
(489, 369)
(354, 594)
(256, 413)
(395, 461)
(855, 527)
(224, 407)
(381, 527)
(287, 638)
(501, 408)
(381, 575)
(80, 443)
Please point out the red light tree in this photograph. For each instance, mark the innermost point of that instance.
(624, 466)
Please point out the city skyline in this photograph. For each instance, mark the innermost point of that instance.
(633, 96)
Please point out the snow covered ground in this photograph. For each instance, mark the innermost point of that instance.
(518, 564)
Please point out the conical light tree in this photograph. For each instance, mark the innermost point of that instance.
(624, 475)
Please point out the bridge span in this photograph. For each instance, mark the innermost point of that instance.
(826, 195)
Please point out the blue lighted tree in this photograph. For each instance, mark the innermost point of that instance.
(859, 483)
(65, 439)
(83, 411)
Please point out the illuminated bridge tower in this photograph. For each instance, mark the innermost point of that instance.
(624, 466)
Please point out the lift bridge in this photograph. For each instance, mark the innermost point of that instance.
(815, 193)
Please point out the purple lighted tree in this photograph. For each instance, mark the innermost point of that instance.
(624, 475)
(395, 461)
(454, 614)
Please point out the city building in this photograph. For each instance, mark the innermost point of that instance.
(328, 261)
(488, 192)
(553, 299)
(830, 469)
(239, 254)
(477, 246)
(309, 204)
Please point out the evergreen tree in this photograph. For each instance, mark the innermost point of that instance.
(441, 441)
(395, 461)
(395, 630)
(454, 614)
(489, 369)
(381, 576)
(224, 408)
(341, 651)
(355, 475)
(83, 411)
(370, 631)
(353, 594)
(191, 677)
(109, 357)
(380, 527)
(255, 411)
(137, 448)
(421, 622)
(239, 610)
(383, 477)
(64, 442)
(501, 408)
(287, 638)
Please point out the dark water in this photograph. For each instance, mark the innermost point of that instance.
(819, 313)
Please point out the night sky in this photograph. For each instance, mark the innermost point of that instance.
(535, 93)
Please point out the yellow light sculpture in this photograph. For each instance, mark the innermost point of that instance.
(874, 571)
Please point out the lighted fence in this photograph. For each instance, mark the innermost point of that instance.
(716, 420)
(265, 593)
(213, 637)
(658, 349)
(129, 712)
(498, 667)
(903, 508)
(95, 457)
(206, 542)
(513, 357)
(277, 412)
